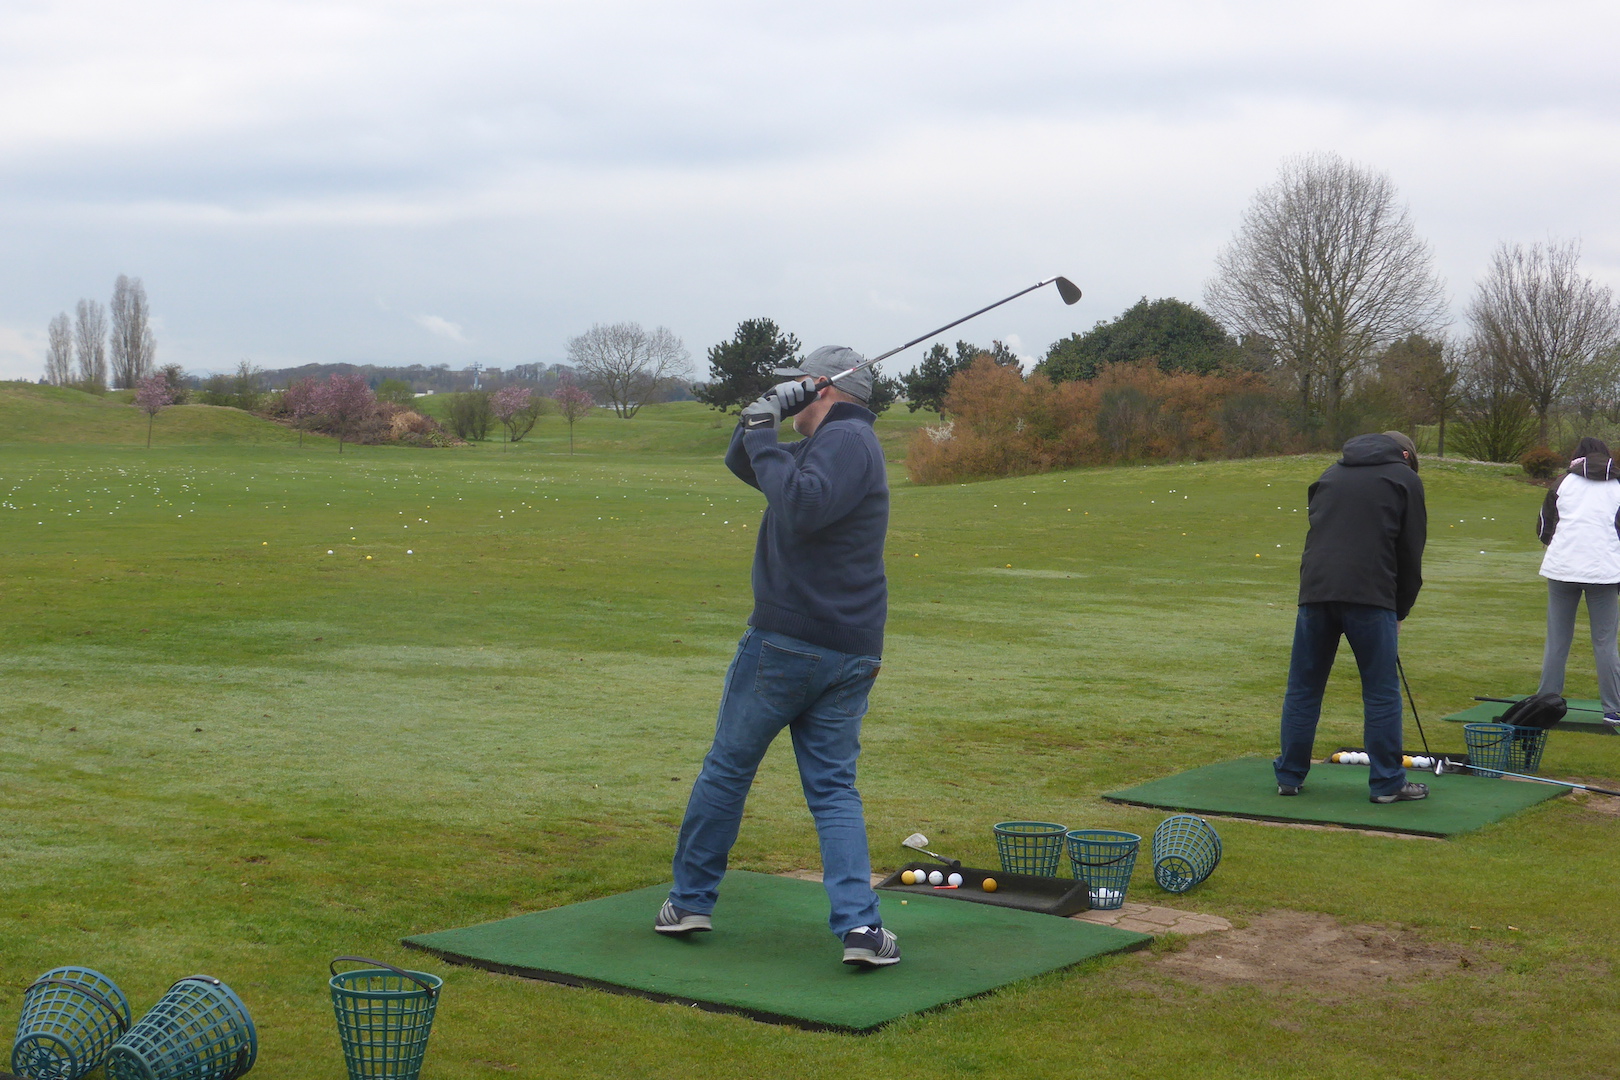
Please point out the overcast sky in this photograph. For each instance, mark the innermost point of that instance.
(443, 181)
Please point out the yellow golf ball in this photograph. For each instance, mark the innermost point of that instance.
(989, 884)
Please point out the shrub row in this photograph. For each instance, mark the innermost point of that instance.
(1002, 424)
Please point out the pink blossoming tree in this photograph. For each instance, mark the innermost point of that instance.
(152, 396)
(574, 403)
(517, 409)
(346, 400)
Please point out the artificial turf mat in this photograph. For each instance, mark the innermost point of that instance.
(771, 957)
(1337, 795)
(1486, 712)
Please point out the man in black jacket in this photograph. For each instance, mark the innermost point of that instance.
(1361, 572)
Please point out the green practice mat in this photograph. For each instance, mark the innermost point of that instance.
(1337, 795)
(1486, 712)
(771, 956)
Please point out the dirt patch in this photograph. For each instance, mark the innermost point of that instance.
(1594, 803)
(1312, 952)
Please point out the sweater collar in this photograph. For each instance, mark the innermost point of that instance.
(848, 410)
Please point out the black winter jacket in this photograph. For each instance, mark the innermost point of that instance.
(1368, 527)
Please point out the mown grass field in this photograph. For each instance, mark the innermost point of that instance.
(224, 749)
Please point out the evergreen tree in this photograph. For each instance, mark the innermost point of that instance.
(1179, 336)
(927, 384)
(741, 369)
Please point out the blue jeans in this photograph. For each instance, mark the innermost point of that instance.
(819, 695)
(1372, 636)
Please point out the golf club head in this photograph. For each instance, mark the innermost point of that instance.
(916, 841)
(1067, 289)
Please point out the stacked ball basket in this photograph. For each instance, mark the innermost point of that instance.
(74, 1019)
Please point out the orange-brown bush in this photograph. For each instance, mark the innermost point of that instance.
(1002, 424)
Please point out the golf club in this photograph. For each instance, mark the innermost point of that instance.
(1514, 701)
(1402, 669)
(1066, 289)
(1525, 776)
(918, 842)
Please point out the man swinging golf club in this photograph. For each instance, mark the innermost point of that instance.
(812, 650)
(1358, 578)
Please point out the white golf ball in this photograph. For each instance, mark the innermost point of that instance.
(936, 878)
(954, 879)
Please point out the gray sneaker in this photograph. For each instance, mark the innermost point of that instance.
(1289, 789)
(674, 920)
(871, 946)
(1409, 793)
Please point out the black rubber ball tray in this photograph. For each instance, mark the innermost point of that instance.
(1026, 892)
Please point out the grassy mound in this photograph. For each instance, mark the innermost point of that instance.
(30, 413)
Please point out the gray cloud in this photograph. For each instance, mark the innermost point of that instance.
(286, 177)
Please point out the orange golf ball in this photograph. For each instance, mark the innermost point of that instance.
(989, 884)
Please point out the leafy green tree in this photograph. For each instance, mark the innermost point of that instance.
(1179, 336)
(927, 384)
(397, 391)
(740, 369)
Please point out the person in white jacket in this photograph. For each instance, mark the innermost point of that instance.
(1580, 524)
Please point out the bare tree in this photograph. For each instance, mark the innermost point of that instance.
(133, 346)
(59, 351)
(90, 343)
(1327, 268)
(626, 365)
(1535, 313)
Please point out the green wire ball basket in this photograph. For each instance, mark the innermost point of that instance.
(70, 1019)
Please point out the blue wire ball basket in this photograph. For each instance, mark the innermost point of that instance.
(70, 1018)
(1103, 859)
(198, 1030)
(1186, 850)
(1029, 847)
(1496, 748)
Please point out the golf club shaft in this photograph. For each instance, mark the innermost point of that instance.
(1513, 701)
(1410, 701)
(1539, 779)
(833, 380)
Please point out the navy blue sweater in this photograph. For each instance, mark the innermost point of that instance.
(818, 564)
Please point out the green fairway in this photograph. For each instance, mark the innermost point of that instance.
(224, 750)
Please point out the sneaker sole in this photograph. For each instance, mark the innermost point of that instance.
(1383, 800)
(681, 928)
(868, 958)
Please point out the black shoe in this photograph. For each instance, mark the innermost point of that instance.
(871, 946)
(1409, 793)
(1289, 789)
(674, 920)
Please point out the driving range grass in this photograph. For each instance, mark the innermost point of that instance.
(224, 750)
